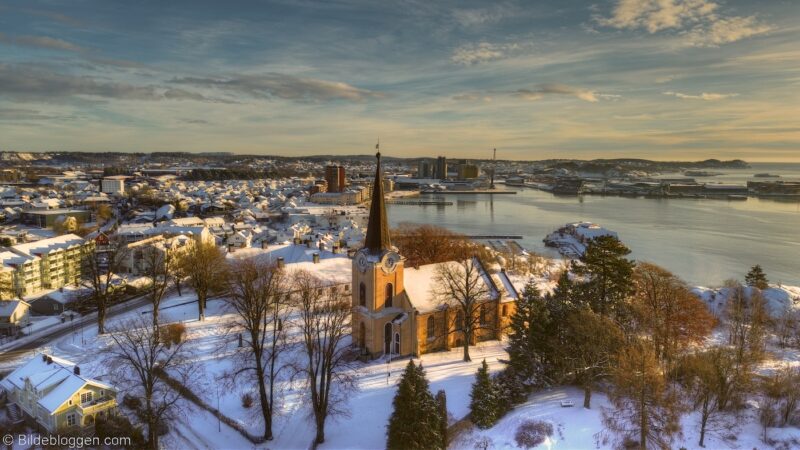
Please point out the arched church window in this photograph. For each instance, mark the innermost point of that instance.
(389, 295)
(460, 320)
(483, 314)
(431, 327)
(387, 338)
(362, 294)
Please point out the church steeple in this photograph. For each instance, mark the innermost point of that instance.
(378, 228)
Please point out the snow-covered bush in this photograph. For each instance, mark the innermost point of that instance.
(532, 433)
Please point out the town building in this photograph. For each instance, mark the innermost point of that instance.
(46, 264)
(14, 316)
(441, 168)
(425, 169)
(46, 218)
(113, 185)
(51, 392)
(404, 311)
(335, 178)
(468, 171)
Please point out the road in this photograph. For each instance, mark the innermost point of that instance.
(89, 319)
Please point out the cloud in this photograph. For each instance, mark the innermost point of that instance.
(472, 97)
(708, 96)
(723, 31)
(24, 84)
(471, 54)
(557, 89)
(19, 114)
(287, 87)
(699, 20)
(41, 42)
(483, 16)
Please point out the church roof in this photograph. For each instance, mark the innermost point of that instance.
(377, 239)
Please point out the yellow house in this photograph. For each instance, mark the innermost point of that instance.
(52, 393)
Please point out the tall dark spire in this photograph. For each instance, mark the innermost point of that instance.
(378, 228)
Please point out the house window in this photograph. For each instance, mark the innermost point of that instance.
(431, 327)
(389, 295)
(460, 320)
(362, 294)
(71, 420)
(505, 310)
(483, 314)
(86, 397)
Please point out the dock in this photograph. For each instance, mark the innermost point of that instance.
(483, 191)
(418, 203)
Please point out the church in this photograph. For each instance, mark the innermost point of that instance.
(398, 311)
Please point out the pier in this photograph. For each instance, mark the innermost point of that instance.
(418, 203)
(462, 192)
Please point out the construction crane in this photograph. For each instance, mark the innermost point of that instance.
(494, 167)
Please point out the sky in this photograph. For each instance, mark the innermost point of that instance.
(656, 79)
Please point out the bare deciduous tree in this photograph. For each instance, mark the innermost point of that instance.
(709, 379)
(101, 265)
(325, 327)
(139, 357)
(158, 265)
(204, 265)
(668, 312)
(460, 285)
(258, 295)
(429, 244)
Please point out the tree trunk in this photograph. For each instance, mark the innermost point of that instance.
(265, 407)
(467, 338)
(101, 317)
(201, 307)
(587, 396)
(178, 286)
(320, 437)
(703, 421)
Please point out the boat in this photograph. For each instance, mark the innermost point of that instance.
(766, 175)
(737, 197)
(571, 239)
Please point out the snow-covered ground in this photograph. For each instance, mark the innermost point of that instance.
(577, 427)
(213, 343)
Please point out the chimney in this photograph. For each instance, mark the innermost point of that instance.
(264, 244)
(315, 256)
(49, 360)
(281, 264)
(44, 357)
(76, 370)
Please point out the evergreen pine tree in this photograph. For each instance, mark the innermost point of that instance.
(756, 278)
(483, 407)
(415, 422)
(608, 276)
(525, 343)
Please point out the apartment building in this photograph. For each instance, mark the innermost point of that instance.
(46, 264)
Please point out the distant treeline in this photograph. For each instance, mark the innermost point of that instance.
(227, 174)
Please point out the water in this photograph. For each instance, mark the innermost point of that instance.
(704, 241)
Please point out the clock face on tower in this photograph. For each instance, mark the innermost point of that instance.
(362, 262)
(389, 262)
